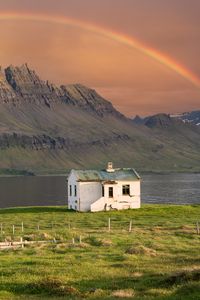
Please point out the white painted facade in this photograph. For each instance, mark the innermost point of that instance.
(98, 195)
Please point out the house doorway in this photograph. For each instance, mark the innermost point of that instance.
(110, 192)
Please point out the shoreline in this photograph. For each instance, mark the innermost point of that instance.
(66, 174)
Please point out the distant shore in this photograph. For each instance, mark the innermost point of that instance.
(18, 173)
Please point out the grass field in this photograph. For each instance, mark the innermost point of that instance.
(158, 259)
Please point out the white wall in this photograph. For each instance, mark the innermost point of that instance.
(90, 192)
(73, 201)
(120, 201)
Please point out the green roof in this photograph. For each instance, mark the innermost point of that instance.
(127, 174)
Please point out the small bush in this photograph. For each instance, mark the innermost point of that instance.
(140, 250)
(93, 241)
(29, 237)
(52, 286)
(183, 277)
(45, 236)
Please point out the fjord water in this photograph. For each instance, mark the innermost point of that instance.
(52, 190)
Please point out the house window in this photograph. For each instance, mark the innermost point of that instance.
(126, 189)
(70, 190)
(75, 191)
(103, 191)
(110, 192)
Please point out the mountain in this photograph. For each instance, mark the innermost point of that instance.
(162, 121)
(192, 117)
(46, 128)
(179, 138)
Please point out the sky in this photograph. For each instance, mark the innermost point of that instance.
(142, 55)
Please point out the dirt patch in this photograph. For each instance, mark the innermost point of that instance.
(137, 274)
(106, 243)
(123, 293)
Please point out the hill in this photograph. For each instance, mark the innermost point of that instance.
(49, 129)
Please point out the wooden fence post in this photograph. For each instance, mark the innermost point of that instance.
(109, 225)
(21, 240)
(38, 227)
(198, 229)
(22, 227)
(130, 226)
(73, 241)
(80, 239)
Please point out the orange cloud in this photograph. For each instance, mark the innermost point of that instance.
(134, 82)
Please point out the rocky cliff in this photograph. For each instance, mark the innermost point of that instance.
(21, 84)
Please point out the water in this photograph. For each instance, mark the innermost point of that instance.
(33, 191)
(52, 190)
(173, 188)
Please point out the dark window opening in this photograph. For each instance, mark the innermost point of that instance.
(75, 191)
(70, 190)
(103, 191)
(126, 189)
(110, 192)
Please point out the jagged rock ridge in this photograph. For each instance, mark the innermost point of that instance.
(21, 84)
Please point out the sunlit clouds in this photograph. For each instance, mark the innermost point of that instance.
(134, 81)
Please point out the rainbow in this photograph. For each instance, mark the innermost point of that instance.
(118, 37)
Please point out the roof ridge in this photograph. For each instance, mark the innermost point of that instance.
(102, 175)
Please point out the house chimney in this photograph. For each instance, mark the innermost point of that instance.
(110, 167)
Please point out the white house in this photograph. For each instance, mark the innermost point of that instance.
(92, 190)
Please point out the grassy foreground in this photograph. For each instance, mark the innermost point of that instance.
(158, 259)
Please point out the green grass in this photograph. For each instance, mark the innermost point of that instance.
(159, 259)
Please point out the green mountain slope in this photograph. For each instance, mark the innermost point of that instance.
(49, 129)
